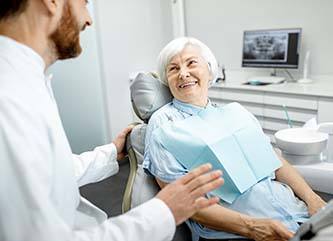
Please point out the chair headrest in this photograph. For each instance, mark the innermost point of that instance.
(148, 94)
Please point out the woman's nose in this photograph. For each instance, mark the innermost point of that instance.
(183, 74)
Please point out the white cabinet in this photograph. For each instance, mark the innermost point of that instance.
(267, 104)
(294, 101)
(238, 94)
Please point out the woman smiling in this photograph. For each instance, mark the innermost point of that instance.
(268, 210)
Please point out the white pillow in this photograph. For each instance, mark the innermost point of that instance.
(148, 94)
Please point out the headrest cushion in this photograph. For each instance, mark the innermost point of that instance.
(148, 94)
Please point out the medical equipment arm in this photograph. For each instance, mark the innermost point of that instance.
(288, 174)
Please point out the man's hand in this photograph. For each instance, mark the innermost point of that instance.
(184, 196)
(120, 140)
(268, 230)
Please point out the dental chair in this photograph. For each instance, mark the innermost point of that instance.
(147, 95)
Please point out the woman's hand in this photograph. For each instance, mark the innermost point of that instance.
(314, 203)
(268, 230)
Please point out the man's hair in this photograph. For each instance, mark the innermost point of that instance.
(11, 8)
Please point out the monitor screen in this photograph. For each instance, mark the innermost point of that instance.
(275, 48)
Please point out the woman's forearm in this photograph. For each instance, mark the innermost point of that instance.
(288, 175)
(220, 218)
(223, 219)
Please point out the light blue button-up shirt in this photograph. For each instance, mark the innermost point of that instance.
(266, 199)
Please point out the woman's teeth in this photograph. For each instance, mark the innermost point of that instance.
(184, 85)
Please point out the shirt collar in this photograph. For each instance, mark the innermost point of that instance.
(22, 53)
(189, 108)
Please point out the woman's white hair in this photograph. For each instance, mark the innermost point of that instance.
(175, 47)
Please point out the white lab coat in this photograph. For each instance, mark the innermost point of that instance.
(39, 175)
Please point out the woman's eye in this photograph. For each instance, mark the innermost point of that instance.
(172, 69)
(192, 62)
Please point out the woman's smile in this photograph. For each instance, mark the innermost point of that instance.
(188, 84)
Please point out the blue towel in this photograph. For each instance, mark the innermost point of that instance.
(229, 138)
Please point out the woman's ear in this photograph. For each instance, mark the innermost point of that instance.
(53, 6)
(210, 71)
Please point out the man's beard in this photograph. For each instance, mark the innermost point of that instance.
(66, 37)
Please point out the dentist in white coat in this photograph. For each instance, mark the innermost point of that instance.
(39, 175)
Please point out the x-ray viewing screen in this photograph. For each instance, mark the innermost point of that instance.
(271, 48)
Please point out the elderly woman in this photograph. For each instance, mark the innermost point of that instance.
(268, 210)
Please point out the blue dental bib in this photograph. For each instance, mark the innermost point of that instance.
(229, 138)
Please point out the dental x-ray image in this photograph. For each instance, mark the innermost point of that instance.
(265, 46)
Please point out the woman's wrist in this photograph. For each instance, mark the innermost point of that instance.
(310, 197)
(248, 226)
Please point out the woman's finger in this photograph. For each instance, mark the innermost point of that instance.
(283, 232)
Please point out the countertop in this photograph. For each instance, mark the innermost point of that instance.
(322, 86)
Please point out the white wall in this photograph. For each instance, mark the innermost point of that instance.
(131, 34)
(220, 24)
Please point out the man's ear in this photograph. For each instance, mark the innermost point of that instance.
(53, 6)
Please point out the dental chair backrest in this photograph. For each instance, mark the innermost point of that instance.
(148, 94)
